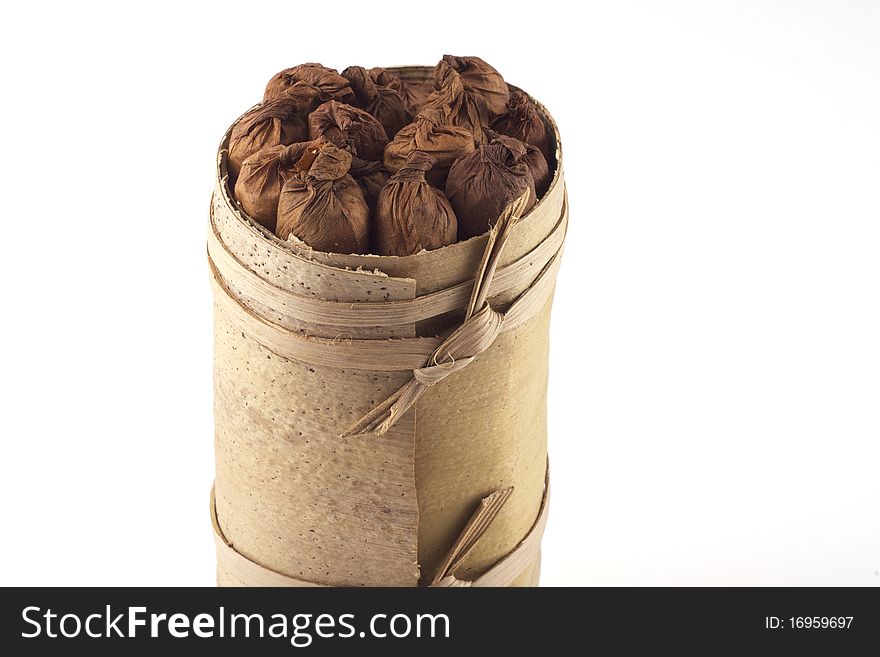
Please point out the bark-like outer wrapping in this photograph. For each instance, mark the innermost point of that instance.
(374, 510)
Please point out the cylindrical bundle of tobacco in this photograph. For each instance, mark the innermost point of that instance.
(372, 426)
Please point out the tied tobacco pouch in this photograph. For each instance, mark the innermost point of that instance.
(479, 79)
(411, 215)
(350, 128)
(280, 121)
(535, 161)
(522, 120)
(481, 184)
(322, 205)
(327, 83)
(380, 94)
(431, 134)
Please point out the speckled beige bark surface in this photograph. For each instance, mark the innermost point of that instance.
(498, 412)
(290, 494)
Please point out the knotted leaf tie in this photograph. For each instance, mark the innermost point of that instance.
(476, 333)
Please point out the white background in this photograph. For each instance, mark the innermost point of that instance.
(715, 376)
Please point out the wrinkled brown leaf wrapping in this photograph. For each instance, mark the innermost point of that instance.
(350, 128)
(478, 79)
(322, 205)
(534, 159)
(411, 215)
(261, 178)
(329, 84)
(483, 183)
(371, 177)
(461, 107)
(278, 121)
(522, 120)
(430, 133)
(384, 100)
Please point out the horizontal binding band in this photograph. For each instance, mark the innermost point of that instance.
(251, 286)
(503, 573)
(387, 355)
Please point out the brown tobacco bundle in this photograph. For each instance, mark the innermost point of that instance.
(479, 79)
(535, 161)
(411, 215)
(327, 82)
(522, 120)
(430, 133)
(261, 178)
(278, 121)
(463, 108)
(371, 177)
(483, 183)
(384, 100)
(322, 205)
(349, 128)
(326, 151)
